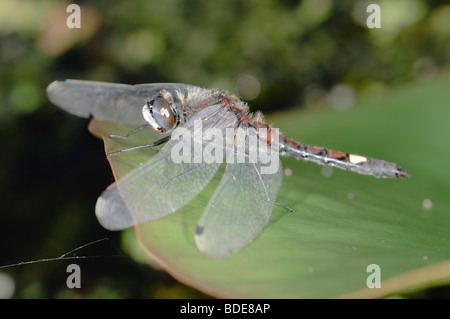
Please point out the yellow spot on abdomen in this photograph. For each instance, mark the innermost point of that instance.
(356, 159)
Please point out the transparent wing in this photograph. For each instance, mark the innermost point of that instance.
(111, 210)
(109, 102)
(124, 162)
(240, 207)
(160, 186)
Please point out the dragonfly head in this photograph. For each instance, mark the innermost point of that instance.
(160, 112)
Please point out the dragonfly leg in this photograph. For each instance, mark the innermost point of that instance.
(137, 129)
(132, 148)
(287, 207)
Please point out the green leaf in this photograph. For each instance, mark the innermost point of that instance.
(340, 224)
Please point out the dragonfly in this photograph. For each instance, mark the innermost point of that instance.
(243, 201)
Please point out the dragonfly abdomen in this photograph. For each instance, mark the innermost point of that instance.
(352, 162)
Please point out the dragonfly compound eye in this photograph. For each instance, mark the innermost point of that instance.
(159, 114)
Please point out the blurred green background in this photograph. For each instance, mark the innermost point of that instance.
(316, 54)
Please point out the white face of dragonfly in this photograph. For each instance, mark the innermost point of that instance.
(160, 113)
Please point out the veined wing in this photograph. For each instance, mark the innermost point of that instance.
(109, 102)
(160, 186)
(239, 209)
